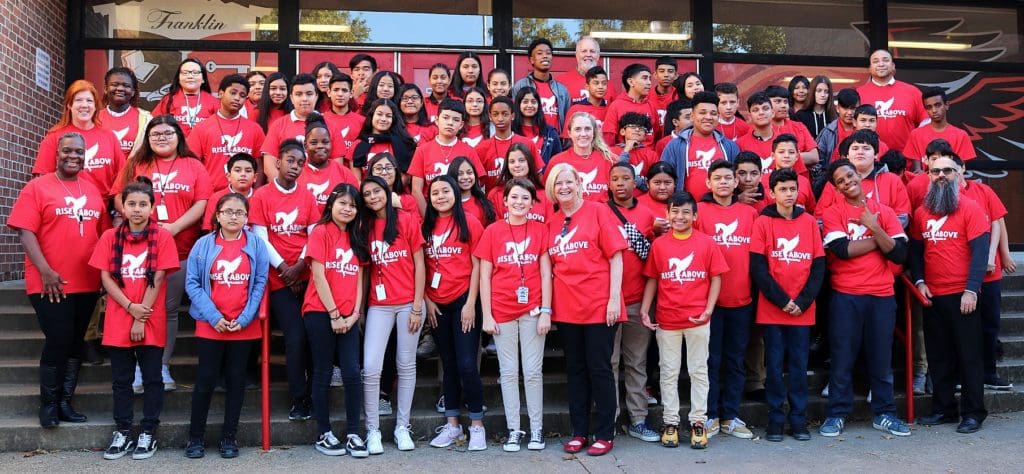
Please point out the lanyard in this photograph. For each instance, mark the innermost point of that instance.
(515, 250)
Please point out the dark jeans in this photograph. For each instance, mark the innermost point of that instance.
(953, 341)
(218, 357)
(861, 322)
(789, 345)
(730, 332)
(990, 311)
(458, 351)
(328, 349)
(588, 367)
(63, 324)
(122, 368)
(286, 307)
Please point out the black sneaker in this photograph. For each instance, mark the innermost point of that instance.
(228, 447)
(120, 444)
(300, 411)
(800, 433)
(195, 449)
(996, 382)
(329, 445)
(356, 447)
(774, 433)
(145, 447)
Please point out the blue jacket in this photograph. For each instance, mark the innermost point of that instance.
(549, 143)
(678, 149)
(197, 278)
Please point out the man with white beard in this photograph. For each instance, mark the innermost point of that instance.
(588, 55)
(949, 252)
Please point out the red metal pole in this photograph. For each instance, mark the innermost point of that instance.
(265, 372)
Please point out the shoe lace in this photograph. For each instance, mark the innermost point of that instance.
(445, 428)
(119, 440)
(698, 429)
(330, 439)
(406, 430)
(514, 436)
(670, 430)
(355, 440)
(536, 437)
(737, 423)
(145, 439)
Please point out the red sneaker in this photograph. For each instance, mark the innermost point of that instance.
(575, 445)
(600, 447)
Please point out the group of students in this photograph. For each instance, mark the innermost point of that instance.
(366, 210)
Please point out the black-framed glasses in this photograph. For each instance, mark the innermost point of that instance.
(233, 213)
(565, 225)
(163, 135)
(945, 171)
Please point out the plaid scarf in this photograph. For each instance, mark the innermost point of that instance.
(124, 234)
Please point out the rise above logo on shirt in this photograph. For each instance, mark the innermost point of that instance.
(935, 233)
(164, 184)
(679, 271)
(786, 250)
(229, 145)
(515, 253)
(319, 191)
(588, 186)
(286, 223)
(885, 109)
(437, 248)
(91, 162)
(704, 158)
(439, 169)
(382, 255)
(564, 245)
(473, 142)
(549, 105)
(75, 209)
(857, 231)
(724, 235)
(132, 266)
(227, 272)
(342, 263)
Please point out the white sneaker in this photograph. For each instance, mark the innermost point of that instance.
(446, 435)
(165, 374)
(356, 447)
(329, 445)
(373, 443)
(403, 438)
(513, 442)
(536, 441)
(477, 438)
(336, 380)
(137, 384)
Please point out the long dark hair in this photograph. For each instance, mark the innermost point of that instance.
(476, 191)
(391, 214)
(355, 238)
(371, 95)
(458, 213)
(534, 173)
(799, 79)
(455, 89)
(397, 123)
(485, 115)
(146, 155)
(399, 185)
(538, 118)
(176, 83)
(421, 117)
(214, 223)
(321, 96)
(265, 105)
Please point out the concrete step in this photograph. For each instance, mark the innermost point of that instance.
(1013, 346)
(1011, 323)
(183, 368)
(1013, 300)
(1012, 282)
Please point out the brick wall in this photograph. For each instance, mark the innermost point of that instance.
(26, 110)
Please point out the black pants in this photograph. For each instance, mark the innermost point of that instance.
(954, 341)
(989, 308)
(286, 308)
(328, 349)
(63, 324)
(122, 368)
(217, 357)
(588, 366)
(458, 351)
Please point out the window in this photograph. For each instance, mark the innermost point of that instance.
(805, 27)
(750, 78)
(957, 33)
(182, 20)
(425, 22)
(645, 26)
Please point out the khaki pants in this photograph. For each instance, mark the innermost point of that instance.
(670, 347)
(754, 361)
(514, 339)
(94, 332)
(920, 360)
(631, 343)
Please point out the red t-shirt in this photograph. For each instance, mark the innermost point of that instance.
(548, 103)
(868, 274)
(378, 147)
(947, 254)
(623, 105)
(540, 211)
(319, 182)
(576, 83)
(447, 256)
(593, 171)
(579, 259)
(46, 208)
(283, 128)
(473, 135)
(641, 157)
(763, 148)
(805, 195)
(885, 188)
(211, 207)
(431, 108)
(117, 323)
(432, 159)
(994, 209)
(658, 209)
(393, 264)
(596, 111)
(920, 138)
(330, 246)
(900, 109)
(250, 111)
(216, 139)
(344, 132)
(730, 227)
(659, 146)
(421, 133)
(471, 206)
(841, 134)
(229, 290)
(790, 246)
(178, 185)
(733, 131)
(683, 269)
(514, 252)
(804, 140)
(701, 152)
(287, 216)
(103, 156)
(124, 125)
(188, 111)
(632, 267)
(493, 151)
(660, 103)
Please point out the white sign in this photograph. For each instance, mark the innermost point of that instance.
(42, 69)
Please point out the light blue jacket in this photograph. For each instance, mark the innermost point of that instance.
(197, 278)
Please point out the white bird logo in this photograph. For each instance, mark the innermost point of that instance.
(343, 256)
(588, 180)
(76, 204)
(440, 239)
(243, 113)
(787, 246)
(934, 226)
(132, 263)
(230, 141)
(679, 265)
(548, 104)
(379, 248)
(869, 194)
(90, 155)
(162, 180)
(473, 142)
(561, 240)
(318, 189)
(228, 267)
(286, 219)
(440, 168)
(884, 105)
(639, 168)
(120, 134)
(190, 111)
(517, 248)
(766, 164)
(726, 231)
(661, 115)
(344, 131)
(499, 164)
(535, 138)
(856, 231)
(704, 157)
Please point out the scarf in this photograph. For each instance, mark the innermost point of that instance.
(123, 234)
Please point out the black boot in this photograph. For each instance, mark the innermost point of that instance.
(92, 352)
(66, 411)
(49, 393)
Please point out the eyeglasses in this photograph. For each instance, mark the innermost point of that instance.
(191, 73)
(383, 169)
(637, 128)
(565, 225)
(410, 98)
(163, 135)
(945, 171)
(233, 213)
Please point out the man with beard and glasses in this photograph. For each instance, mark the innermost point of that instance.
(949, 248)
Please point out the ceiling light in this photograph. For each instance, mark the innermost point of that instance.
(930, 45)
(630, 35)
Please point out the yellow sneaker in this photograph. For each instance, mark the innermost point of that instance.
(698, 436)
(737, 428)
(670, 436)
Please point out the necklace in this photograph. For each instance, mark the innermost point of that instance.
(190, 117)
(78, 212)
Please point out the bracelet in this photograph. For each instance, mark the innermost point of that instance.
(418, 312)
(332, 310)
(545, 309)
(335, 319)
(129, 307)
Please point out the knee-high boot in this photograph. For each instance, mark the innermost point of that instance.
(65, 411)
(49, 395)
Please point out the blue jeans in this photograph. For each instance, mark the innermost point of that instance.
(328, 349)
(787, 344)
(856, 322)
(989, 308)
(458, 351)
(730, 332)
